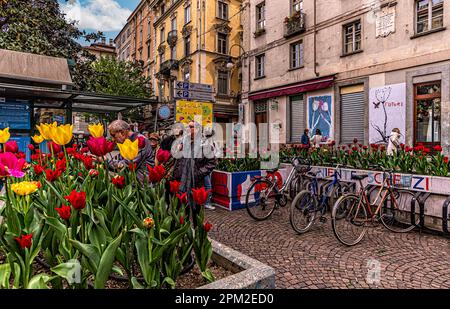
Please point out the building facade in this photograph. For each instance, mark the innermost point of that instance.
(353, 69)
(195, 41)
(102, 49)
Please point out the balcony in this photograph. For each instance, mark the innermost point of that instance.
(172, 38)
(294, 25)
(167, 66)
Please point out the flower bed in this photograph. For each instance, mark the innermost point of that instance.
(65, 209)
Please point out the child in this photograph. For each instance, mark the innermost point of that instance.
(394, 142)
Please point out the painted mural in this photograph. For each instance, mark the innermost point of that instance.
(320, 115)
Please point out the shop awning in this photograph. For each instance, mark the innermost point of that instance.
(79, 101)
(225, 110)
(310, 85)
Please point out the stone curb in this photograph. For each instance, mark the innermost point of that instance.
(251, 274)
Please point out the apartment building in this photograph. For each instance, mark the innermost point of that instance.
(352, 69)
(197, 41)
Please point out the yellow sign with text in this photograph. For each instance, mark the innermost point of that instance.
(187, 111)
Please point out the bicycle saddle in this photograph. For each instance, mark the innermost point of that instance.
(359, 177)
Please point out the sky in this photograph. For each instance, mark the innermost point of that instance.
(108, 16)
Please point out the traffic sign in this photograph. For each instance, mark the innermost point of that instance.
(193, 95)
(179, 85)
(164, 112)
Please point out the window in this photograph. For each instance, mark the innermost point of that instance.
(162, 35)
(297, 6)
(222, 10)
(173, 52)
(149, 28)
(148, 50)
(163, 8)
(187, 14)
(222, 43)
(140, 54)
(187, 46)
(141, 37)
(173, 23)
(427, 101)
(352, 111)
(297, 118)
(186, 74)
(429, 14)
(297, 55)
(261, 16)
(352, 37)
(259, 70)
(222, 83)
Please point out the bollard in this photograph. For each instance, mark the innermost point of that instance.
(445, 216)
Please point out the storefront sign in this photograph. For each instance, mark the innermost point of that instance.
(16, 116)
(187, 111)
(387, 110)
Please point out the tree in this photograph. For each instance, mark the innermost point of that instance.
(123, 78)
(39, 27)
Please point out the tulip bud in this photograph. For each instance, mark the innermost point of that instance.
(149, 223)
(93, 173)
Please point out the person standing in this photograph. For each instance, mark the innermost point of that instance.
(210, 150)
(306, 143)
(316, 139)
(394, 142)
(154, 141)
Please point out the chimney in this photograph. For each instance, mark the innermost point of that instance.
(103, 40)
(111, 42)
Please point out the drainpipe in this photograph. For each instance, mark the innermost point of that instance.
(315, 38)
(199, 43)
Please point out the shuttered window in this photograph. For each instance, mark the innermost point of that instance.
(297, 118)
(352, 114)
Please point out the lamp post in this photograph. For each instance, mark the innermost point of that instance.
(230, 65)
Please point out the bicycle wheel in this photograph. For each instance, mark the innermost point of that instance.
(396, 212)
(261, 199)
(348, 219)
(303, 211)
(336, 193)
(295, 186)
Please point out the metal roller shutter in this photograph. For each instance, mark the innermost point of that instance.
(352, 117)
(297, 118)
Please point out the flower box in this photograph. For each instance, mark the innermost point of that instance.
(230, 189)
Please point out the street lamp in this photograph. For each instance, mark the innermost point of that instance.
(230, 63)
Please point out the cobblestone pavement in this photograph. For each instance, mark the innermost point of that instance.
(317, 260)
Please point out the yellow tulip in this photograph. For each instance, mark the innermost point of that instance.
(4, 135)
(129, 150)
(62, 135)
(45, 129)
(24, 187)
(38, 139)
(96, 130)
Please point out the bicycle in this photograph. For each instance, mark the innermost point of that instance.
(264, 196)
(352, 212)
(306, 205)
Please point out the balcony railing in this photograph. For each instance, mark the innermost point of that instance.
(172, 38)
(168, 65)
(295, 24)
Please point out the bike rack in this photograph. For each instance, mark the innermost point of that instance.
(445, 217)
(421, 198)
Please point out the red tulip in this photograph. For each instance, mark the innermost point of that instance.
(31, 147)
(207, 226)
(77, 199)
(200, 195)
(52, 175)
(119, 182)
(21, 155)
(182, 197)
(163, 156)
(446, 160)
(24, 240)
(11, 146)
(132, 166)
(365, 147)
(3, 171)
(181, 220)
(61, 164)
(61, 155)
(84, 149)
(174, 186)
(88, 162)
(355, 140)
(93, 173)
(64, 212)
(426, 150)
(141, 142)
(437, 148)
(360, 145)
(56, 148)
(38, 169)
(156, 173)
(99, 146)
(354, 148)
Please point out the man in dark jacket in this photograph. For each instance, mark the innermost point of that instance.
(192, 164)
